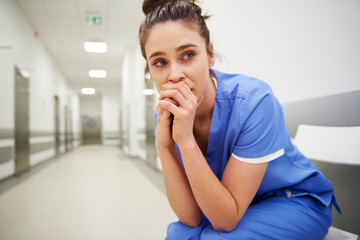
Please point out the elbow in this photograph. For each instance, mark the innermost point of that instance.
(191, 223)
(224, 227)
(228, 222)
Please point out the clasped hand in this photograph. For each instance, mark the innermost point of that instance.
(175, 114)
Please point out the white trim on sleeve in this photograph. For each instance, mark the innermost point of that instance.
(263, 159)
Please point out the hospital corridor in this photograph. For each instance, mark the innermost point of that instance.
(93, 192)
(78, 109)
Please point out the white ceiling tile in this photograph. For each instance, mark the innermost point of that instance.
(40, 19)
(100, 6)
(32, 6)
(61, 8)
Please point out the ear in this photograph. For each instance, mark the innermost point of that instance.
(211, 55)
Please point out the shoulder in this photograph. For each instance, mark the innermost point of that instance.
(241, 87)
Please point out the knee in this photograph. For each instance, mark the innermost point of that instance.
(174, 231)
(210, 234)
(179, 231)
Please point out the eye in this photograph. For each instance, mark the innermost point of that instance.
(188, 56)
(159, 63)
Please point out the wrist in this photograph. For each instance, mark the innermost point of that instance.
(161, 149)
(187, 143)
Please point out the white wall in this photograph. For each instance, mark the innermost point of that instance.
(110, 117)
(74, 103)
(19, 47)
(302, 48)
(132, 103)
(90, 105)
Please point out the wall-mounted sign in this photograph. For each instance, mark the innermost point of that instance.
(93, 18)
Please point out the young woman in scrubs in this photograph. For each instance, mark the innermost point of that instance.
(230, 169)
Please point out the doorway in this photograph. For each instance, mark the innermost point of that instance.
(91, 129)
(66, 118)
(57, 124)
(22, 145)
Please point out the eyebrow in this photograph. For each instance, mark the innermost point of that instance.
(178, 49)
(183, 47)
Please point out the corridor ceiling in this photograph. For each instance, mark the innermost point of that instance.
(61, 26)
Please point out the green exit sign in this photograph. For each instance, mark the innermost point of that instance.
(93, 20)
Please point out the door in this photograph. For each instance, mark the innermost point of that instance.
(22, 146)
(71, 134)
(66, 128)
(57, 124)
(91, 129)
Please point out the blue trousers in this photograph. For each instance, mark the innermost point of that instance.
(273, 218)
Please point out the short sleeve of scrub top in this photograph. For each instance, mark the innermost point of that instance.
(263, 135)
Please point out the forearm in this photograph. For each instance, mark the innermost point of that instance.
(178, 190)
(212, 196)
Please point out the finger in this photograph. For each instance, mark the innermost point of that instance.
(162, 113)
(159, 111)
(175, 95)
(170, 107)
(172, 101)
(175, 85)
(182, 87)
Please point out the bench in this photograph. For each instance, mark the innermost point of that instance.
(335, 151)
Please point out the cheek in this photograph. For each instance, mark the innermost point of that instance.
(204, 83)
(157, 81)
(158, 87)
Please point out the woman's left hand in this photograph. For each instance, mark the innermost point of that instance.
(183, 109)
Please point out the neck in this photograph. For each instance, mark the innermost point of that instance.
(205, 109)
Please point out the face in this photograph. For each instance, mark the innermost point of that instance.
(176, 52)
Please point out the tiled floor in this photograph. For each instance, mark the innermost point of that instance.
(90, 193)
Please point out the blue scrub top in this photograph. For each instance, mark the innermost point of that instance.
(248, 123)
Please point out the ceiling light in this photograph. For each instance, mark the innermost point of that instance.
(148, 91)
(88, 91)
(97, 73)
(98, 47)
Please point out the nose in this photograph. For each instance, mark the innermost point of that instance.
(176, 73)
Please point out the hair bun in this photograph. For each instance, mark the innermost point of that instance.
(149, 5)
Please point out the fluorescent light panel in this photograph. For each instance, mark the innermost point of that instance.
(148, 91)
(98, 47)
(88, 91)
(97, 73)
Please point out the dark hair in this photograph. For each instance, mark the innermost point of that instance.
(158, 11)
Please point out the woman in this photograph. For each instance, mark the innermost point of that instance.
(230, 169)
